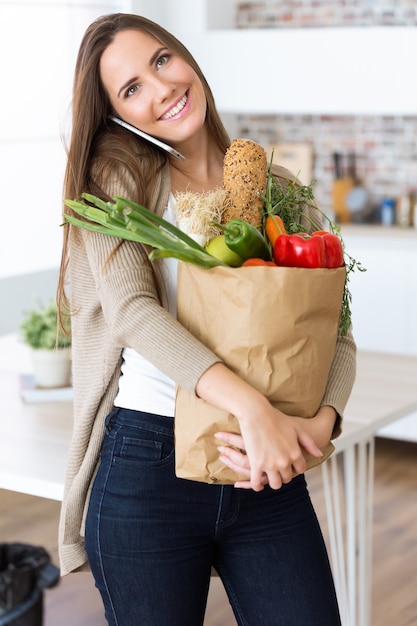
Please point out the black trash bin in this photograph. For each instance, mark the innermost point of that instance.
(25, 571)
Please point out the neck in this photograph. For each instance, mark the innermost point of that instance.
(201, 171)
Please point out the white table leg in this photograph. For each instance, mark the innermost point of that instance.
(348, 478)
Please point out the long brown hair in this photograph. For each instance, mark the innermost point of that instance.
(93, 138)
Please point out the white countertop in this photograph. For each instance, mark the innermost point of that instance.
(34, 438)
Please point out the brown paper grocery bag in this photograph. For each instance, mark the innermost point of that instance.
(274, 326)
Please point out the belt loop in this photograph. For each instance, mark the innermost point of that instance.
(109, 418)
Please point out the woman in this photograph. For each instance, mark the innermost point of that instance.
(151, 538)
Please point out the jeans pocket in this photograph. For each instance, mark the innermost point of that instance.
(142, 450)
(141, 447)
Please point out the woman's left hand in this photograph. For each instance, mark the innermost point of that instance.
(234, 455)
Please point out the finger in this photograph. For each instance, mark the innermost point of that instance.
(246, 484)
(299, 466)
(237, 457)
(243, 484)
(275, 480)
(243, 471)
(308, 444)
(259, 479)
(232, 439)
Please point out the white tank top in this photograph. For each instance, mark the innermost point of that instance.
(143, 387)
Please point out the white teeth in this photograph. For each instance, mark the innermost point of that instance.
(177, 108)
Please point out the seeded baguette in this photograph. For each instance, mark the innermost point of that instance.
(244, 178)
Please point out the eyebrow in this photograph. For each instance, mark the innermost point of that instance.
(152, 60)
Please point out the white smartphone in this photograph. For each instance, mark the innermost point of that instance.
(153, 140)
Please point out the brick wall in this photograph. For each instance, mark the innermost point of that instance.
(321, 13)
(385, 148)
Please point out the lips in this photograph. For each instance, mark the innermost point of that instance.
(176, 109)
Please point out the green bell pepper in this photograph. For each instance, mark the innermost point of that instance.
(245, 240)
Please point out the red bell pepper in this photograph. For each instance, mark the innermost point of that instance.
(333, 248)
(321, 249)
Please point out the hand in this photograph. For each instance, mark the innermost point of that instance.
(274, 443)
(269, 450)
(321, 426)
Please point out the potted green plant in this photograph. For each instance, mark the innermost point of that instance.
(50, 345)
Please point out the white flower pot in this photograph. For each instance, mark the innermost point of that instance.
(52, 368)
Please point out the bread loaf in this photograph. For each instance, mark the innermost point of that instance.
(244, 178)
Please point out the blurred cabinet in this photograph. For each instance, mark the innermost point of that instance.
(385, 299)
(385, 296)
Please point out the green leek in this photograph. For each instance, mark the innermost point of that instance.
(128, 220)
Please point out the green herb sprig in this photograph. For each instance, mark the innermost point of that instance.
(290, 203)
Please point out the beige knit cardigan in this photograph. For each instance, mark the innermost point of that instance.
(115, 305)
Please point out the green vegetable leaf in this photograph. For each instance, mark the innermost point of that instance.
(126, 219)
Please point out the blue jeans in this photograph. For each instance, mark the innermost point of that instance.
(152, 539)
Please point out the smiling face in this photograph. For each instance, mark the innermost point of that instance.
(152, 88)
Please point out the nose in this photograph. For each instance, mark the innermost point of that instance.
(162, 89)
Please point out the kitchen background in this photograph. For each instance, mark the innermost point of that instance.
(332, 76)
(335, 76)
(385, 146)
(305, 13)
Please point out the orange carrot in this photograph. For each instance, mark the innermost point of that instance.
(274, 227)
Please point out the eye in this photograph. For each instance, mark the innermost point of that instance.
(131, 90)
(162, 60)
